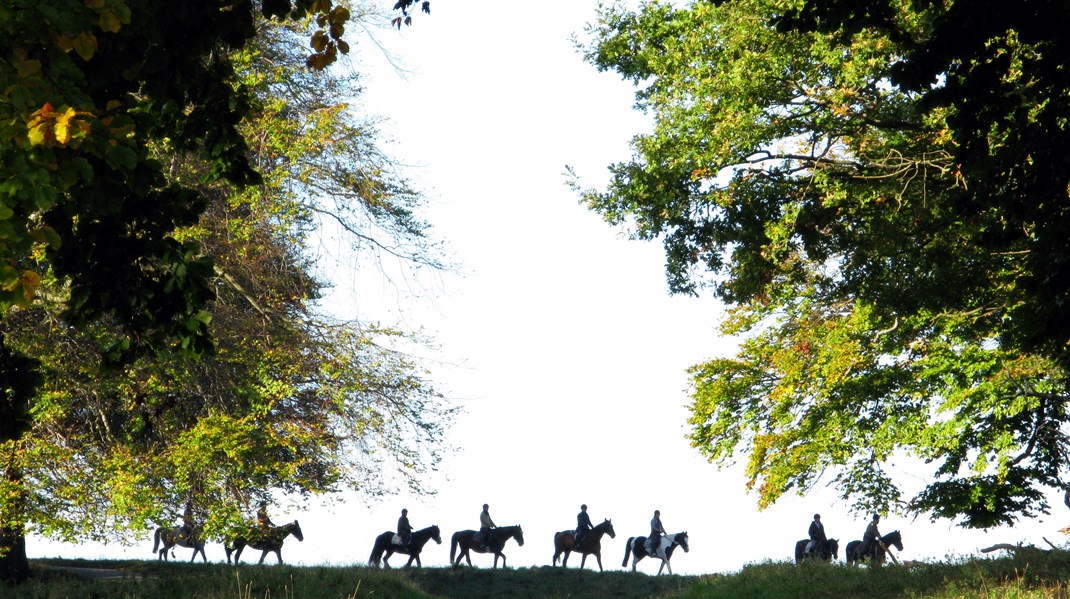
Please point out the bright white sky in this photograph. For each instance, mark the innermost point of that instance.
(558, 338)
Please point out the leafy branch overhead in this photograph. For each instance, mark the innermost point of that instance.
(878, 192)
(405, 6)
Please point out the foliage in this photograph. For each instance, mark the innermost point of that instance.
(405, 6)
(291, 401)
(98, 97)
(887, 295)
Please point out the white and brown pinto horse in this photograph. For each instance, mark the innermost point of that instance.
(661, 548)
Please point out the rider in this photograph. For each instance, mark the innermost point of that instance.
(404, 530)
(186, 530)
(262, 519)
(817, 534)
(583, 523)
(485, 524)
(872, 535)
(656, 531)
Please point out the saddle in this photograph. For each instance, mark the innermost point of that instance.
(649, 545)
(397, 540)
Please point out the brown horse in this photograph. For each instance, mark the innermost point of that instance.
(876, 552)
(269, 539)
(590, 544)
(467, 541)
(181, 536)
(384, 543)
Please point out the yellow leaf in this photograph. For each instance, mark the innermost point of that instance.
(109, 21)
(85, 45)
(62, 128)
(30, 282)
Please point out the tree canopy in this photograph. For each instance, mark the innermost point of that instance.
(876, 190)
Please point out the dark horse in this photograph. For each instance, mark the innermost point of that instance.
(875, 553)
(269, 539)
(384, 543)
(466, 540)
(591, 544)
(636, 548)
(825, 550)
(181, 536)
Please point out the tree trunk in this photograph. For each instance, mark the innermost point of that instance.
(14, 567)
(19, 379)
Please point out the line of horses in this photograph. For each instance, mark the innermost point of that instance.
(829, 550)
(267, 540)
(464, 542)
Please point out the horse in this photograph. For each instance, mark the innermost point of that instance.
(876, 552)
(384, 543)
(466, 540)
(181, 536)
(636, 547)
(591, 544)
(264, 539)
(827, 550)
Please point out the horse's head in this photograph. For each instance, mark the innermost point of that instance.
(295, 530)
(894, 538)
(607, 527)
(834, 548)
(519, 536)
(436, 535)
(680, 539)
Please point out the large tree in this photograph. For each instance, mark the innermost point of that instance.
(291, 401)
(887, 239)
(100, 98)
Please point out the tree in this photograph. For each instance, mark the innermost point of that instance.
(891, 302)
(95, 93)
(290, 400)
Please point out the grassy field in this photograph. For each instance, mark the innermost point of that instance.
(1030, 575)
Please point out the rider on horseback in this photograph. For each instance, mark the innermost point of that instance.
(817, 534)
(485, 525)
(583, 524)
(188, 524)
(656, 532)
(872, 535)
(404, 530)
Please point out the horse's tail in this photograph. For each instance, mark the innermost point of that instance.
(156, 540)
(627, 551)
(453, 546)
(377, 553)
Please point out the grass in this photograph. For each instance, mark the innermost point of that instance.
(1029, 575)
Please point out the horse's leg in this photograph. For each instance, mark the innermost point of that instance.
(598, 556)
(278, 553)
(583, 560)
